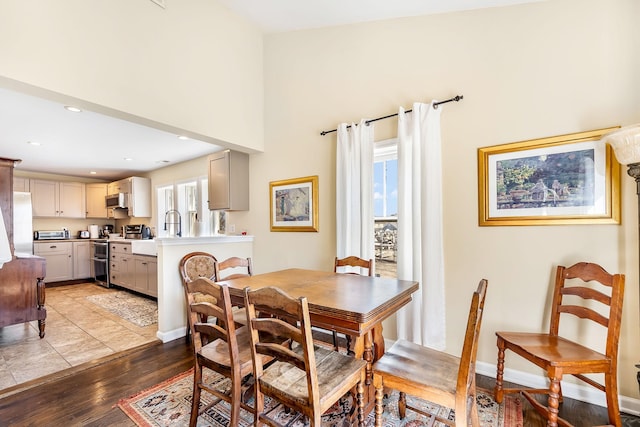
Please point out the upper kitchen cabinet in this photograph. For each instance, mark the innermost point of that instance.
(57, 199)
(228, 181)
(136, 192)
(96, 205)
(20, 184)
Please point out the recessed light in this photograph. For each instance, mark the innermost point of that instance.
(182, 137)
(163, 161)
(73, 109)
(128, 159)
(92, 172)
(33, 143)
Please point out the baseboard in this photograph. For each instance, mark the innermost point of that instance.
(172, 335)
(579, 392)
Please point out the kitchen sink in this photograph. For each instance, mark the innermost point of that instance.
(144, 247)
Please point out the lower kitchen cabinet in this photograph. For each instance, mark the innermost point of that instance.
(81, 260)
(136, 272)
(146, 275)
(59, 257)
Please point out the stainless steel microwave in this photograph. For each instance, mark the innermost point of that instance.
(118, 200)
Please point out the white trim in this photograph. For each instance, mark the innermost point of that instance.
(165, 337)
(579, 392)
(180, 241)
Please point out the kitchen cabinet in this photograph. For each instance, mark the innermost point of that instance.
(81, 260)
(138, 193)
(59, 256)
(146, 275)
(136, 272)
(121, 264)
(95, 200)
(20, 184)
(228, 181)
(57, 199)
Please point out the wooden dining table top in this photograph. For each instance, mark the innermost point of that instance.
(335, 298)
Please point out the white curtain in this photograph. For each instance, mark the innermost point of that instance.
(354, 191)
(420, 247)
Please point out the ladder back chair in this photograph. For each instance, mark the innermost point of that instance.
(348, 265)
(302, 377)
(234, 263)
(225, 350)
(193, 266)
(434, 375)
(584, 290)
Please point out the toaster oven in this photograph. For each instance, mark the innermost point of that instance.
(51, 234)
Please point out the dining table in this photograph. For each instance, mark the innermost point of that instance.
(346, 303)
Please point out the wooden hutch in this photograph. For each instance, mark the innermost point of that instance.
(22, 289)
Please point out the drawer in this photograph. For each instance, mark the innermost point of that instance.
(52, 247)
(120, 248)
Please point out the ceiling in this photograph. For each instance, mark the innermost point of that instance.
(78, 144)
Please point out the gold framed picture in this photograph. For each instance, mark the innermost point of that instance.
(294, 204)
(566, 179)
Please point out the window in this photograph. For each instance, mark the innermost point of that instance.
(189, 198)
(385, 206)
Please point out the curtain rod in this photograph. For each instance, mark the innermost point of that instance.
(435, 105)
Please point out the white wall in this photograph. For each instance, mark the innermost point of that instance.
(525, 71)
(193, 66)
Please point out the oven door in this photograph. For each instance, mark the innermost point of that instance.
(100, 263)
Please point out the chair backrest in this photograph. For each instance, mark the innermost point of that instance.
(353, 261)
(566, 286)
(467, 369)
(198, 264)
(203, 331)
(234, 263)
(289, 320)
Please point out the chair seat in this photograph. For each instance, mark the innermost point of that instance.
(290, 383)
(216, 353)
(555, 351)
(429, 370)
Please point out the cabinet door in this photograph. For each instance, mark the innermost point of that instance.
(59, 257)
(229, 181)
(219, 181)
(44, 197)
(20, 184)
(96, 205)
(81, 260)
(146, 275)
(72, 200)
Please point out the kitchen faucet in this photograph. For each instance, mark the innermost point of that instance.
(167, 216)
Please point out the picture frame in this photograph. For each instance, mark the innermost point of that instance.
(294, 204)
(565, 179)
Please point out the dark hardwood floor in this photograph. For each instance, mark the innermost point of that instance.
(87, 395)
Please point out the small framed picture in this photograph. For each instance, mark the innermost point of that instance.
(294, 204)
(567, 179)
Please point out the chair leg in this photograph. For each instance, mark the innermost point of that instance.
(236, 397)
(402, 405)
(379, 409)
(360, 400)
(611, 391)
(553, 401)
(195, 402)
(498, 391)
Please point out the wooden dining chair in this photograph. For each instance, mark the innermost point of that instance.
(225, 350)
(590, 293)
(241, 268)
(433, 375)
(303, 377)
(344, 264)
(347, 265)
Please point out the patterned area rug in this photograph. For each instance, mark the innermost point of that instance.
(136, 309)
(169, 404)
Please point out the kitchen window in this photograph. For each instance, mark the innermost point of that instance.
(189, 198)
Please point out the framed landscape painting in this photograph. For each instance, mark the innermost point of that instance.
(294, 204)
(567, 179)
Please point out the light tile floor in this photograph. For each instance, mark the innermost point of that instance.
(77, 331)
